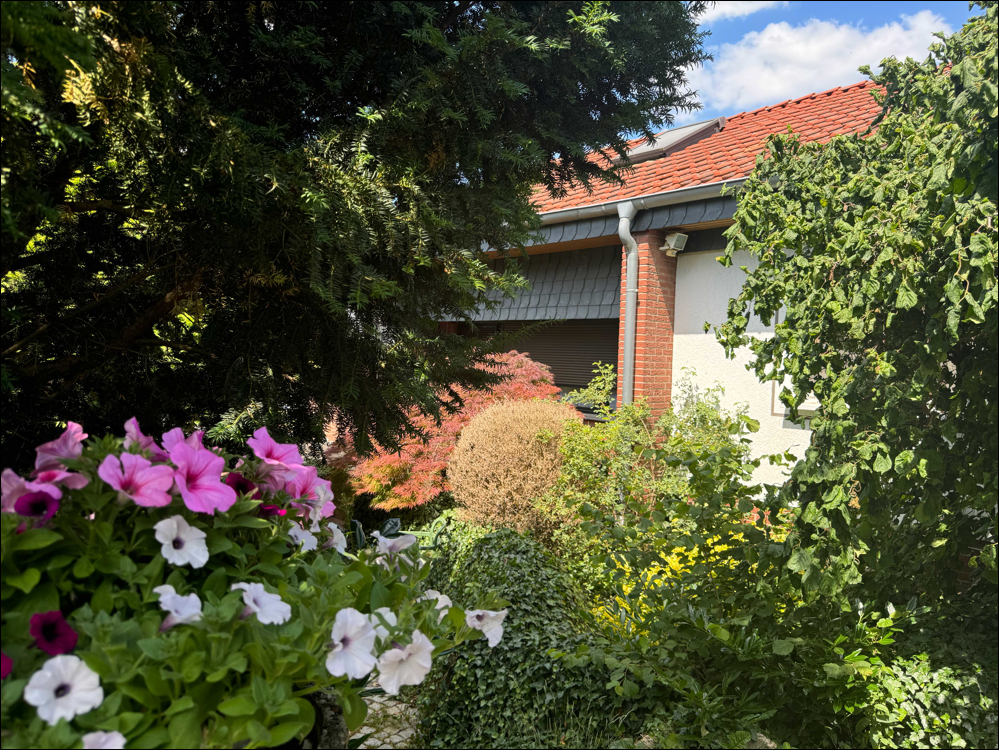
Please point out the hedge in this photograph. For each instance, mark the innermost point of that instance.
(515, 695)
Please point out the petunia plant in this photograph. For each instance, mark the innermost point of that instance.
(163, 593)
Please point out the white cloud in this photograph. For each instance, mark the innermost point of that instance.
(738, 9)
(783, 61)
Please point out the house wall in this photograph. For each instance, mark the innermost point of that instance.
(654, 324)
(703, 289)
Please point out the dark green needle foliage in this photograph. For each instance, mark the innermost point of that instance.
(257, 212)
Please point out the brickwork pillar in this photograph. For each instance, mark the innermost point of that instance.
(654, 329)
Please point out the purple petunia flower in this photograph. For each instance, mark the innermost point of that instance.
(52, 633)
(41, 501)
(272, 510)
(242, 485)
(68, 446)
(199, 479)
(5, 666)
(137, 479)
(134, 436)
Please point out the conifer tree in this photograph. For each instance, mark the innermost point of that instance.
(258, 212)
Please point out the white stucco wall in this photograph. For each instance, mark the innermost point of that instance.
(703, 290)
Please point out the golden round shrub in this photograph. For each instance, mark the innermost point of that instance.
(507, 458)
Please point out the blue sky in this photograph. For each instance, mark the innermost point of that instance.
(767, 52)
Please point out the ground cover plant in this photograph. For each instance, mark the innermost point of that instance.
(169, 594)
(530, 698)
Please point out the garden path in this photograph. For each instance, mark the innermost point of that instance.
(391, 724)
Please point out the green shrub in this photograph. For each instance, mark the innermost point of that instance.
(513, 694)
(941, 691)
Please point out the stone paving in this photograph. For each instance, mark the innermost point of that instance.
(391, 724)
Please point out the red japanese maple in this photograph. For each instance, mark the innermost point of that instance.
(417, 472)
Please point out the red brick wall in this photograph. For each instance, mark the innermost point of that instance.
(654, 330)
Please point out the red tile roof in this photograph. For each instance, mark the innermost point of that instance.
(731, 153)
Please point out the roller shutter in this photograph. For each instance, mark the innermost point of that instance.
(569, 348)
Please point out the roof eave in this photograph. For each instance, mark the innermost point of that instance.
(642, 202)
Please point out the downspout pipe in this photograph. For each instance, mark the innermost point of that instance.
(626, 212)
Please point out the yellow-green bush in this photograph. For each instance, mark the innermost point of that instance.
(506, 458)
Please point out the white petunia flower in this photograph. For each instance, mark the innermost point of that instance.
(490, 623)
(395, 545)
(337, 540)
(181, 609)
(103, 741)
(388, 616)
(443, 602)
(405, 666)
(269, 608)
(306, 539)
(182, 543)
(353, 640)
(63, 688)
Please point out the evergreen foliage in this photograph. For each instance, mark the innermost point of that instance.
(264, 208)
(879, 253)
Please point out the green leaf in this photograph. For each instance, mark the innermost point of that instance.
(83, 568)
(719, 632)
(258, 733)
(906, 296)
(25, 581)
(799, 560)
(185, 729)
(902, 461)
(241, 705)
(283, 733)
(35, 539)
(355, 710)
(192, 666)
(181, 704)
(102, 600)
(380, 596)
(782, 648)
(155, 648)
(156, 737)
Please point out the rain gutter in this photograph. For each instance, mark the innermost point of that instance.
(626, 210)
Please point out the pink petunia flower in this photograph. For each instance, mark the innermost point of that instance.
(314, 494)
(68, 479)
(52, 633)
(175, 437)
(281, 459)
(41, 501)
(68, 446)
(5, 666)
(134, 436)
(137, 479)
(272, 510)
(199, 479)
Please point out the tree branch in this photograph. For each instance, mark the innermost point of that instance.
(74, 367)
(74, 207)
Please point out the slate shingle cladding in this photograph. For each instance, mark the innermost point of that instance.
(574, 285)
